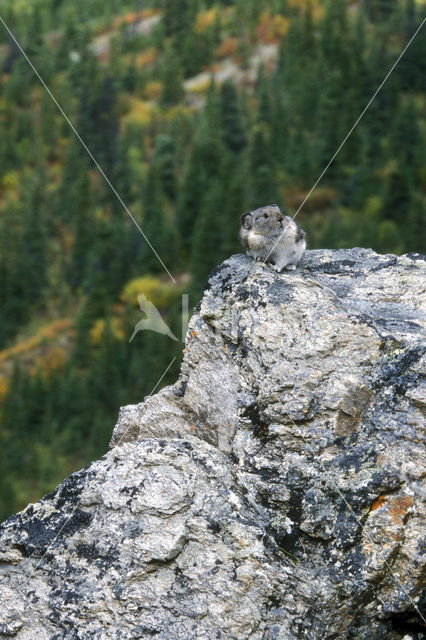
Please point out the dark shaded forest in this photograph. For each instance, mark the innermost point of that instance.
(196, 111)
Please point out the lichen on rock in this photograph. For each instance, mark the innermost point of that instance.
(273, 493)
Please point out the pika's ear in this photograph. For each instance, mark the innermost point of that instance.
(279, 214)
(244, 216)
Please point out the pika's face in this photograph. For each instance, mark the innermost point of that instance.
(263, 219)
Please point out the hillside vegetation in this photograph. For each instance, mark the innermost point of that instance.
(196, 111)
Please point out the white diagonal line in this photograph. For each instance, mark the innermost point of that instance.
(357, 121)
(154, 389)
(358, 520)
(119, 198)
(170, 364)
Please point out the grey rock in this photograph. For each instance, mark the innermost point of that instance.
(275, 492)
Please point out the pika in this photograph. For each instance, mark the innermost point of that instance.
(268, 235)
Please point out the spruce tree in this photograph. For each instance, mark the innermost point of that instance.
(328, 133)
(35, 241)
(158, 227)
(334, 31)
(232, 129)
(234, 182)
(206, 244)
(411, 70)
(263, 183)
(164, 160)
(82, 229)
(406, 137)
(203, 167)
(172, 78)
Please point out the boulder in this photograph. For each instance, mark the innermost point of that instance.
(273, 493)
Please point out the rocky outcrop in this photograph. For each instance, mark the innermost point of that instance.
(273, 493)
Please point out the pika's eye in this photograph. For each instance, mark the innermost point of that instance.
(265, 215)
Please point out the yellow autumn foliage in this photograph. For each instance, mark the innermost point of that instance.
(132, 17)
(205, 19)
(4, 386)
(153, 90)
(315, 5)
(175, 112)
(52, 359)
(99, 327)
(160, 293)
(46, 333)
(227, 48)
(201, 86)
(272, 28)
(140, 113)
(146, 57)
(9, 181)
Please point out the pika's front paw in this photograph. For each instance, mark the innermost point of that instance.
(275, 267)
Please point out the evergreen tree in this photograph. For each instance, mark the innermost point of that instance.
(106, 374)
(158, 227)
(414, 225)
(207, 238)
(232, 125)
(178, 18)
(82, 225)
(328, 134)
(81, 354)
(34, 242)
(363, 182)
(406, 138)
(234, 204)
(164, 160)
(380, 9)
(398, 195)
(411, 70)
(15, 296)
(108, 262)
(106, 121)
(172, 78)
(334, 31)
(263, 184)
(264, 111)
(203, 166)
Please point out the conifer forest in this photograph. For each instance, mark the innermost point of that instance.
(193, 111)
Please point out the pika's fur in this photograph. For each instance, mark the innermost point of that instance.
(268, 235)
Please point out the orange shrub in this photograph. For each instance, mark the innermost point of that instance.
(131, 17)
(53, 359)
(153, 90)
(4, 386)
(272, 28)
(146, 58)
(227, 48)
(48, 332)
